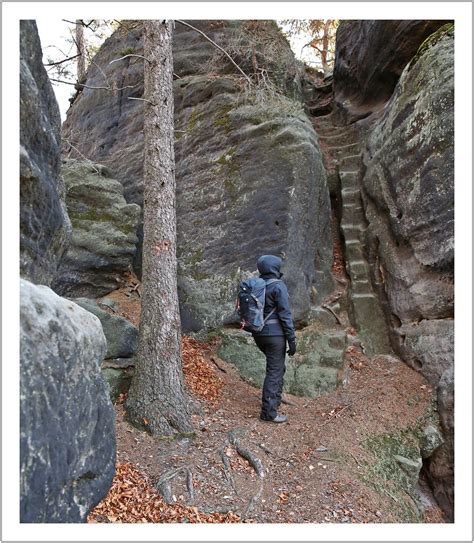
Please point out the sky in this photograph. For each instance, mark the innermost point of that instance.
(55, 37)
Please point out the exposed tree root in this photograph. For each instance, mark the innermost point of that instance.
(324, 306)
(287, 402)
(227, 469)
(190, 486)
(164, 484)
(253, 460)
(214, 361)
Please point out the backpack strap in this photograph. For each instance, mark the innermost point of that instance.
(270, 282)
(269, 315)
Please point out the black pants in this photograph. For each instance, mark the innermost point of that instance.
(274, 348)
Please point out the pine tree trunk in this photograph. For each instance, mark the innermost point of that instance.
(157, 398)
(325, 46)
(81, 50)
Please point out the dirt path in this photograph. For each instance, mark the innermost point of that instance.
(317, 468)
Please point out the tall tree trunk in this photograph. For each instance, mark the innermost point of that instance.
(81, 50)
(157, 398)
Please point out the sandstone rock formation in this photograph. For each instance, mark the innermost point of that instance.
(250, 182)
(120, 334)
(104, 230)
(441, 464)
(316, 369)
(370, 57)
(408, 190)
(44, 225)
(249, 174)
(344, 154)
(122, 343)
(67, 442)
(393, 173)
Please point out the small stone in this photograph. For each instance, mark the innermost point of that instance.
(322, 449)
(410, 467)
(430, 441)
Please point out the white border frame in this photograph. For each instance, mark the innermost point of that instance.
(461, 12)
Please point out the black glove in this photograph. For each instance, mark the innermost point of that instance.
(291, 347)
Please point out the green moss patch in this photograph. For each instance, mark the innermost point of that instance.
(432, 39)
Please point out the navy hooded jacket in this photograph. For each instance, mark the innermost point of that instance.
(280, 322)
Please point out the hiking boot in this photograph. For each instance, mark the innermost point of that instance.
(278, 419)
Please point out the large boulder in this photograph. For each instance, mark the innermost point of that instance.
(104, 231)
(249, 173)
(67, 440)
(370, 57)
(107, 126)
(44, 224)
(408, 191)
(120, 334)
(250, 181)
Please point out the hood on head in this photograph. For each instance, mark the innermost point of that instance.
(269, 264)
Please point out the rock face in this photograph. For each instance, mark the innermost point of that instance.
(316, 369)
(44, 224)
(409, 201)
(103, 231)
(122, 343)
(441, 464)
(250, 179)
(250, 182)
(120, 334)
(67, 441)
(370, 57)
(107, 126)
(344, 154)
(408, 190)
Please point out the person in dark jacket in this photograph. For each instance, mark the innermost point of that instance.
(271, 340)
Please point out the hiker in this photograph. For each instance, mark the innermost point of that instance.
(271, 340)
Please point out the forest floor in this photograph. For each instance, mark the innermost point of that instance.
(316, 468)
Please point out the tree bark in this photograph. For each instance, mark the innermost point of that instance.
(81, 50)
(325, 46)
(157, 399)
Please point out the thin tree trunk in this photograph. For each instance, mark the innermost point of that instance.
(157, 399)
(81, 50)
(325, 46)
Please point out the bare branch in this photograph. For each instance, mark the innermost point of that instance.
(141, 100)
(131, 55)
(79, 21)
(95, 88)
(62, 61)
(311, 44)
(56, 47)
(218, 47)
(83, 156)
(79, 84)
(101, 71)
(120, 23)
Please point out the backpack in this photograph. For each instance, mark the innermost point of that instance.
(251, 303)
